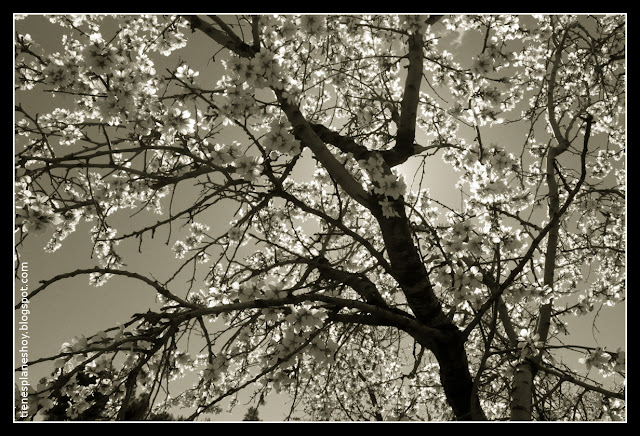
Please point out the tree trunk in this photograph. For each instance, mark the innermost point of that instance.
(449, 347)
(521, 392)
(456, 379)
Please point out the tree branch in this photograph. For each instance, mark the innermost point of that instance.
(339, 224)
(303, 130)
(405, 135)
(427, 336)
(372, 397)
(154, 284)
(358, 282)
(570, 379)
(563, 143)
(228, 40)
(534, 244)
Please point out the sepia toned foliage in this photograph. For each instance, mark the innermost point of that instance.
(341, 281)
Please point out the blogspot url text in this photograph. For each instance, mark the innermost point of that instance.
(22, 340)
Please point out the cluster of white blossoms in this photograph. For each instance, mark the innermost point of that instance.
(27, 77)
(256, 289)
(223, 154)
(71, 220)
(79, 395)
(414, 23)
(104, 249)
(191, 242)
(606, 363)
(177, 119)
(529, 344)
(99, 57)
(63, 120)
(280, 380)
(520, 294)
(313, 25)
(296, 333)
(248, 168)
(216, 368)
(187, 74)
(182, 361)
(35, 212)
(244, 293)
(279, 139)
(261, 71)
(69, 135)
(373, 165)
(388, 210)
(488, 173)
(58, 73)
(293, 331)
(306, 318)
(231, 157)
(116, 78)
(244, 75)
(388, 185)
(465, 286)
(483, 63)
(239, 102)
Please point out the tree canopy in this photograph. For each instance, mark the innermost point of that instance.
(340, 276)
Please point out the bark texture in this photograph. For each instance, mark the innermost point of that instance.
(449, 346)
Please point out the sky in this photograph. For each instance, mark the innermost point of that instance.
(73, 307)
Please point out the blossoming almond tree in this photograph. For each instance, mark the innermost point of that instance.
(341, 281)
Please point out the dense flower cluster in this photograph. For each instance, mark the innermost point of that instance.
(224, 154)
(248, 168)
(177, 120)
(414, 23)
(388, 185)
(261, 71)
(142, 133)
(605, 362)
(198, 232)
(529, 344)
(35, 212)
(279, 139)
